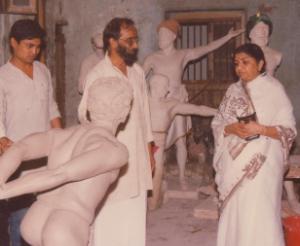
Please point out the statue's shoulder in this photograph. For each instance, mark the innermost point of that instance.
(274, 54)
(154, 55)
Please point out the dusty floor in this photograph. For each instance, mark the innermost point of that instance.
(174, 223)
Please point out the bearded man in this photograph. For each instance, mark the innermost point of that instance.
(121, 220)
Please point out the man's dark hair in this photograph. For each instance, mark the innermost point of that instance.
(113, 29)
(254, 51)
(27, 29)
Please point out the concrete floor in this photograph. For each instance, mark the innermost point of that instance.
(174, 224)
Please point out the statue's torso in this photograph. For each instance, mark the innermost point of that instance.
(169, 65)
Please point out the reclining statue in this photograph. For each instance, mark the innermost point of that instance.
(83, 161)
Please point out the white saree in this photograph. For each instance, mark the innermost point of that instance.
(249, 175)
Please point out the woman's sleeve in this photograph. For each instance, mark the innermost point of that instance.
(285, 122)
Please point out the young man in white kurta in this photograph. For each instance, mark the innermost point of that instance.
(26, 101)
(26, 105)
(122, 219)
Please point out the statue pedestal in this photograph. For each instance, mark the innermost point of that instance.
(174, 190)
(207, 209)
(294, 170)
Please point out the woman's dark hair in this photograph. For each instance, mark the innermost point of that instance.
(255, 19)
(113, 29)
(27, 29)
(254, 51)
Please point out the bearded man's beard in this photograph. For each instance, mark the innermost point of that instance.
(129, 58)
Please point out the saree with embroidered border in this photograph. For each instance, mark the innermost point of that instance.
(249, 174)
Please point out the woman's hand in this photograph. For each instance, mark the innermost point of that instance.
(243, 130)
(253, 128)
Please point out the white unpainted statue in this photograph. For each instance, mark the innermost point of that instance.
(83, 161)
(259, 33)
(91, 60)
(163, 111)
(171, 62)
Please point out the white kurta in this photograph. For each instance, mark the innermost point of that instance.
(249, 174)
(26, 105)
(135, 178)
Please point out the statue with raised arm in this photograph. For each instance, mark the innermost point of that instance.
(83, 161)
(171, 62)
(91, 60)
(259, 28)
(163, 111)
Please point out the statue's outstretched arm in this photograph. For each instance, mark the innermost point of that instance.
(33, 146)
(192, 109)
(95, 161)
(200, 51)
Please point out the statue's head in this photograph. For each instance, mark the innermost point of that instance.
(109, 99)
(97, 41)
(167, 30)
(159, 85)
(258, 29)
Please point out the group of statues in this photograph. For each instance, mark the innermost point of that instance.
(68, 183)
(169, 97)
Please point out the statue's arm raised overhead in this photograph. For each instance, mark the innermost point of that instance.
(96, 157)
(195, 53)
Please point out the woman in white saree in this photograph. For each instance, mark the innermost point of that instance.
(249, 173)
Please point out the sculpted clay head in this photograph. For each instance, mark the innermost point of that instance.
(168, 30)
(165, 38)
(260, 34)
(109, 99)
(97, 41)
(262, 22)
(159, 85)
(170, 24)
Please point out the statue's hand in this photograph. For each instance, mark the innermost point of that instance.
(233, 33)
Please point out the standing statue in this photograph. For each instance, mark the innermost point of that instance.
(91, 60)
(259, 29)
(171, 62)
(163, 111)
(83, 161)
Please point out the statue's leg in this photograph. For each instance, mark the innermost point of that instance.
(65, 227)
(155, 200)
(291, 195)
(181, 155)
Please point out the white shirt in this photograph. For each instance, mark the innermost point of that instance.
(26, 105)
(136, 176)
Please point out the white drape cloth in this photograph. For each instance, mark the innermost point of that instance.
(249, 174)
